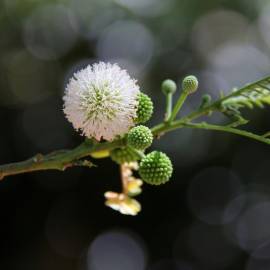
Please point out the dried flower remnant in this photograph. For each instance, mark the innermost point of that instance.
(122, 203)
(131, 186)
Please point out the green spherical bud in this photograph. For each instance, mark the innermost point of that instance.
(156, 168)
(168, 87)
(124, 154)
(206, 100)
(140, 137)
(145, 108)
(190, 84)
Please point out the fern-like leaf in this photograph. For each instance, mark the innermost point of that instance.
(255, 94)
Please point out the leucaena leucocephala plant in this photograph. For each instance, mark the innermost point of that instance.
(105, 105)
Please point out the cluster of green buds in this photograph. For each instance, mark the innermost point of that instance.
(154, 168)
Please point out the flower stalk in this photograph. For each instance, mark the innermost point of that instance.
(178, 106)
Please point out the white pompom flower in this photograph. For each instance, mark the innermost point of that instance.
(101, 101)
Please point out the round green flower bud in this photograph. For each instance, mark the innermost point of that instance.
(168, 87)
(145, 108)
(206, 100)
(140, 137)
(155, 168)
(190, 84)
(122, 155)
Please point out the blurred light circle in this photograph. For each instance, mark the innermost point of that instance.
(86, 11)
(101, 21)
(128, 40)
(212, 83)
(228, 54)
(147, 7)
(211, 247)
(237, 208)
(119, 250)
(50, 32)
(239, 63)
(30, 80)
(210, 192)
(264, 24)
(252, 229)
(217, 28)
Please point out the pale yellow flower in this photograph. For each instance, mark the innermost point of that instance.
(122, 203)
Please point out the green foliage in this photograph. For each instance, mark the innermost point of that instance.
(156, 168)
(140, 137)
(250, 96)
(145, 109)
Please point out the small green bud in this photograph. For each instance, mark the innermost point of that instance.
(140, 137)
(156, 168)
(124, 154)
(145, 108)
(168, 87)
(206, 100)
(190, 84)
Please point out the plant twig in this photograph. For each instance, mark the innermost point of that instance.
(58, 160)
(178, 105)
(168, 113)
(240, 132)
(62, 159)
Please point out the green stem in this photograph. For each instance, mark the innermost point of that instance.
(243, 133)
(178, 105)
(168, 106)
(58, 160)
(137, 152)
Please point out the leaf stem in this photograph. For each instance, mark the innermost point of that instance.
(240, 132)
(168, 113)
(178, 105)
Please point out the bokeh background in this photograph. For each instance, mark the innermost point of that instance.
(214, 213)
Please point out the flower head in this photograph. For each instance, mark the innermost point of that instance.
(145, 108)
(101, 101)
(190, 84)
(156, 168)
(140, 137)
